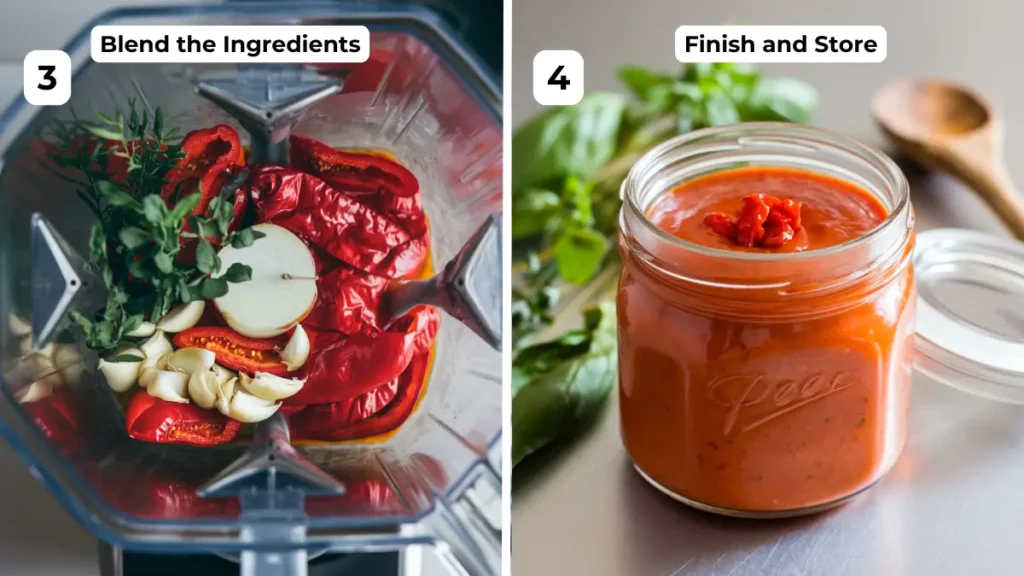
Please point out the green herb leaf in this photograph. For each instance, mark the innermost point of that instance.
(184, 207)
(101, 132)
(164, 262)
(579, 252)
(128, 358)
(133, 237)
(640, 79)
(244, 238)
(563, 141)
(533, 210)
(158, 122)
(720, 110)
(238, 273)
(115, 195)
(559, 386)
(206, 257)
(212, 288)
(154, 209)
(781, 99)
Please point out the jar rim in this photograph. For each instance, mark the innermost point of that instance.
(877, 159)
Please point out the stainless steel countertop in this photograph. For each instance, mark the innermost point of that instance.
(954, 503)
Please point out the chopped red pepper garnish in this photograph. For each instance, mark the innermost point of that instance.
(764, 221)
(151, 419)
(241, 353)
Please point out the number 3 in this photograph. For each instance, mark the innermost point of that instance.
(560, 81)
(48, 75)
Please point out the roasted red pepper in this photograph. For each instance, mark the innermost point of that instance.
(348, 301)
(340, 420)
(211, 156)
(764, 221)
(335, 222)
(154, 420)
(342, 367)
(241, 353)
(55, 416)
(374, 180)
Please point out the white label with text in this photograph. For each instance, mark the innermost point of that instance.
(781, 44)
(230, 44)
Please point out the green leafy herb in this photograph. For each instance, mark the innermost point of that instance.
(128, 358)
(558, 386)
(137, 239)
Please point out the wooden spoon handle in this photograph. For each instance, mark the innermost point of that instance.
(996, 187)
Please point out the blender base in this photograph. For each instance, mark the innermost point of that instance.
(114, 561)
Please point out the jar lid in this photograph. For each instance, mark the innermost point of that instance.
(970, 312)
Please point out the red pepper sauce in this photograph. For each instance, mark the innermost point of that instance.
(737, 409)
(832, 211)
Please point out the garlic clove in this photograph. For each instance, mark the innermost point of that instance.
(25, 347)
(144, 330)
(18, 325)
(182, 317)
(164, 384)
(296, 352)
(69, 362)
(35, 392)
(191, 360)
(155, 348)
(270, 387)
(121, 376)
(247, 408)
(203, 389)
(223, 374)
(33, 369)
(225, 392)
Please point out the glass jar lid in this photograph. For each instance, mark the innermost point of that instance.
(970, 312)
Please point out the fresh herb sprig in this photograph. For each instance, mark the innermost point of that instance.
(137, 239)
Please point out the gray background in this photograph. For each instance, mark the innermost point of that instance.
(953, 504)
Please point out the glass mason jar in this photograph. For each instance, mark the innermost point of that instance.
(764, 384)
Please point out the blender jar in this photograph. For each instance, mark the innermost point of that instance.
(422, 98)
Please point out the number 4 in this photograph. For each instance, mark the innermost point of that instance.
(556, 80)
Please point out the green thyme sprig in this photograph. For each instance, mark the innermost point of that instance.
(137, 239)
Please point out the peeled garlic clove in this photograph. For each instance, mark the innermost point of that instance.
(182, 317)
(165, 384)
(155, 348)
(34, 369)
(144, 330)
(35, 392)
(69, 362)
(121, 376)
(203, 389)
(247, 408)
(25, 347)
(271, 388)
(296, 351)
(223, 374)
(191, 360)
(225, 392)
(18, 325)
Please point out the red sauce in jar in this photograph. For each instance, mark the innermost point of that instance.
(763, 404)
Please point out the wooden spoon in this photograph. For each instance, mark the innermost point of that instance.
(947, 127)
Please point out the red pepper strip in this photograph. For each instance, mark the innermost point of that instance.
(320, 422)
(241, 353)
(55, 416)
(211, 155)
(374, 180)
(341, 367)
(764, 221)
(154, 420)
(335, 223)
(348, 301)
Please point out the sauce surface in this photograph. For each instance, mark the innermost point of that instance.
(832, 211)
(737, 409)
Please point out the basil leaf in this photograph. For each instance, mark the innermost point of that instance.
(720, 110)
(575, 139)
(533, 210)
(185, 292)
(559, 386)
(154, 209)
(781, 99)
(131, 323)
(184, 207)
(128, 358)
(132, 237)
(243, 238)
(213, 288)
(579, 252)
(238, 273)
(639, 79)
(206, 258)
